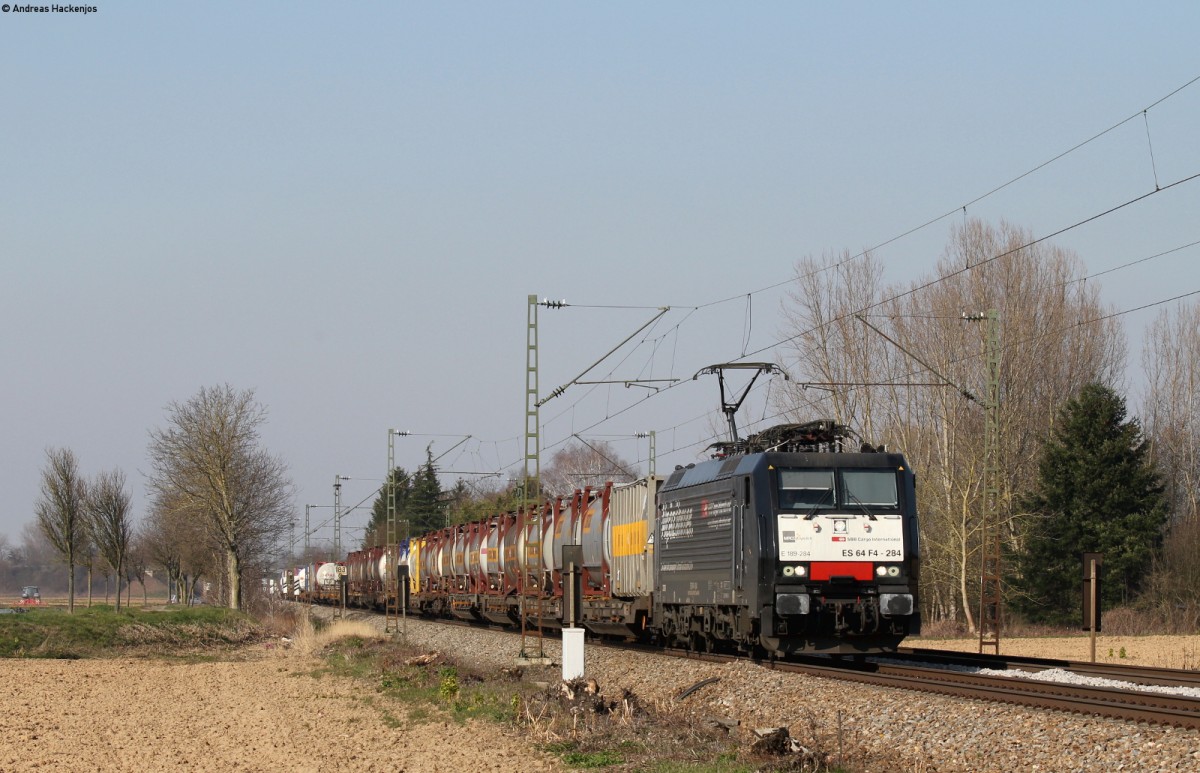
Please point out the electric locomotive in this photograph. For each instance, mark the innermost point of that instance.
(785, 542)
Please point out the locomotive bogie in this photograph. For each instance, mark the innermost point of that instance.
(706, 627)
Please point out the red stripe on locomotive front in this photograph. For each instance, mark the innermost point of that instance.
(824, 570)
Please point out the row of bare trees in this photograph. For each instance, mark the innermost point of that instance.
(79, 516)
(1171, 362)
(905, 365)
(221, 505)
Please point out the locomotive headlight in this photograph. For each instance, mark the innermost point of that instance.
(801, 571)
(893, 571)
(881, 571)
(789, 570)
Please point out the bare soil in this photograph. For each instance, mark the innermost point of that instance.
(264, 711)
(267, 708)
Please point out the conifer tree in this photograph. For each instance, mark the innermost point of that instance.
(1096, 492)
(376, 533)
(420, 506)
(425, 503)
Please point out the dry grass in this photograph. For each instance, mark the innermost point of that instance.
(308, 639)
(187, 636)
(1148, 650)
(624, 732)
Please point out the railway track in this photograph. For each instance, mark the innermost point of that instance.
(1161, 677)
(941, 672)
(1127, 704)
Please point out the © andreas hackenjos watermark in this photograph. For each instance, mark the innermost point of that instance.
(47, 8)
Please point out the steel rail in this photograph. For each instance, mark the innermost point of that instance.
(1128, 705)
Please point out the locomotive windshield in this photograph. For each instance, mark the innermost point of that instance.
(873, 488)
(805, 489)
(812, 490)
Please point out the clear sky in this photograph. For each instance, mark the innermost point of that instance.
(345, 206)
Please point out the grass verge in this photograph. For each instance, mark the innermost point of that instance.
(574, 722)
(100, 631)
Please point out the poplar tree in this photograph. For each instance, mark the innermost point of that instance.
(108, 514)
(60, 510)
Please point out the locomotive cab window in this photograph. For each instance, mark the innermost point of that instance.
(805, 489)
(871, 488)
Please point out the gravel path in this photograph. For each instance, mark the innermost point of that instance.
(869, 728)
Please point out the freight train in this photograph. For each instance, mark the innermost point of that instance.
(782, 543)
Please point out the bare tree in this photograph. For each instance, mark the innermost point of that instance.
(60, 510)
(161, 544)
(582, 464)
(1171, 360)
(1050, 345)
(108, 516)
(1053, 339)
(828, 350)
(209, 464)
(8, 557)
(137, 565)
(176, 539)
(86, 554)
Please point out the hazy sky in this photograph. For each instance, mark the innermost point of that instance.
(345, 206)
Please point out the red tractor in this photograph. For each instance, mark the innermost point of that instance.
(30, 596)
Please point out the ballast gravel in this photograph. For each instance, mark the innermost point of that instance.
(865, 728)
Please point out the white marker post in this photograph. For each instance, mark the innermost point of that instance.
(572, 657)
(572, 636)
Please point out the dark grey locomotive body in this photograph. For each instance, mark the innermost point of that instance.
(789, 552)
